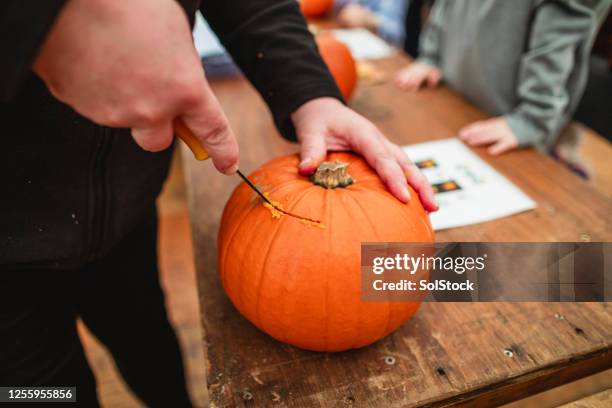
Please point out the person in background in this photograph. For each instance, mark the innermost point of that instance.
(594, 108)
(386, 18)
(217, 62)
(89, 90)
(417, 10)
(524, 62)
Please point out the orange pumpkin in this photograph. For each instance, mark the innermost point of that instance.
(299, 283)
(340, 62)
(315, 8)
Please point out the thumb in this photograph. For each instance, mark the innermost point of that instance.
(208, 122)
(313, 150)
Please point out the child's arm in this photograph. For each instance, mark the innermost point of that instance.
(548, 87)
(424, 72)
(431, 38)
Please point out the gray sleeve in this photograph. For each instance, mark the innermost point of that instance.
(553, 70)
(431, 39)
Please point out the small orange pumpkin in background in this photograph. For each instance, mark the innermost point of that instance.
(299, 283)
(340, 62)
(315, 8)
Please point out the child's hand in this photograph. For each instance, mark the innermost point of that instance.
(494, 132)
(417, 75)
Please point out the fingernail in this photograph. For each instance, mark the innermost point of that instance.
(232, 169)
(305, 162)
(306, 167)
(405, 194)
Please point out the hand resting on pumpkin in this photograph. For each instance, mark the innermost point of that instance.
(324, 124)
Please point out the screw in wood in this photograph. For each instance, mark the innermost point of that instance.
(389, 360)
(247, 395)
(508, 352)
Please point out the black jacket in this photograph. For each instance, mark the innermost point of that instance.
(70, 189)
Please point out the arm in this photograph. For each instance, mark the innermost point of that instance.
(432, 37)
(424, 72)
(548, 89)
(270, 42)
(23, 26)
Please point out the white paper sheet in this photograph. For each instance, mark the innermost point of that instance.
(363, 44)
(470, 191)
(206, 41)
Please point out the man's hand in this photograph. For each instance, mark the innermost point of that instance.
(418, 75)
(494, 132)
(133, 64)
(326, 124)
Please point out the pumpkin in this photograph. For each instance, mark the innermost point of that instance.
(315, 8)
(340, 63)
(299, 282)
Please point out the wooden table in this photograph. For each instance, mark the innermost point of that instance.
(600, 400)
(450, 353)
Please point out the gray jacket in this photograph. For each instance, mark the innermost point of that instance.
(524, 59)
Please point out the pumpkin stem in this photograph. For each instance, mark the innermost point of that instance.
(332, 175)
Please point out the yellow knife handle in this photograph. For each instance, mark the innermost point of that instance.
(186, 135)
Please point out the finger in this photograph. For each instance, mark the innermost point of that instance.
(433, 79)
(313, 150)
(392, 175)
(409, 81)
(415, 178)
(208, 122)
(414, 83)
(418, 181)
(482, 138)
(370, 143)
(401, 80)
(470, 130)
(500, 147)
(154, 138)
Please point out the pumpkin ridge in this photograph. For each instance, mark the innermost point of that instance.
(230, 239)
(283, 184)
(327, 211)
(252, 208)
(375, 231)
(408, 222)
(266, 258)
(240, 294)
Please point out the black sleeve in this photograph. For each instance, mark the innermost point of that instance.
(270, 42)
(23, 27)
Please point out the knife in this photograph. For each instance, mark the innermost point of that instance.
(200, 153)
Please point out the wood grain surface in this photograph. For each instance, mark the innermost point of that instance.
(450, 353)
(600, 400)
